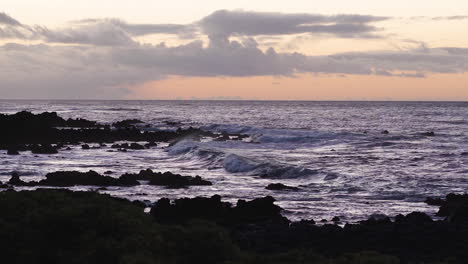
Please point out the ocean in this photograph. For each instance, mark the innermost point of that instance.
(335, 152)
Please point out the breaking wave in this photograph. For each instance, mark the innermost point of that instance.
(236, 164)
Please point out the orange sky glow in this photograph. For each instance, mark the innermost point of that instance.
(309, 87)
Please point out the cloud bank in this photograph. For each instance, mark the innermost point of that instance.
(100, 58)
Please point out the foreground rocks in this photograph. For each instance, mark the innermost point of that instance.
(454, 207)
(258, 226)
(60, 226)
(261, 210)
(92, 178)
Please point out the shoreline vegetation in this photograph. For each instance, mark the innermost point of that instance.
(62, 226)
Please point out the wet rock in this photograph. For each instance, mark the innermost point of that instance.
(134, 146)
(261, 210)
(139, 204)
(168, 179)
(281, 187)
(336, 219)
(43, 149)
(16, 181)
(435, 201)
(12, 151)
(71, 178)
(222, 137)
(429, 134)
(46, 119)
(108, 172)
(377, 219)
(258, 210)
(172, 123)
(303, 223)
(455, 208)
(414, 218)
(127, 123)
(74, 178)
(85, 146)
(385, 132)
(151, 144)
(47, 128)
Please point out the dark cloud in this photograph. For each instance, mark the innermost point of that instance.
(225, 23)
(69, 72)
(105, 72)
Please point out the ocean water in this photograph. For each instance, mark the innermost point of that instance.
(334, 151)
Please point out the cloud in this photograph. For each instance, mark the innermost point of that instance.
(450, 18)
(8, 20)
(103, 60)
(219, 26)
(11, 28)
(99, 34)
(38, 71)
(140, 29)
(224, 23)
(43, 71)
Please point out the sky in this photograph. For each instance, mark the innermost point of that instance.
(230, 50)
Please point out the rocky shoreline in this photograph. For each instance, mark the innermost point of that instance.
(48, 133)
(61, 226)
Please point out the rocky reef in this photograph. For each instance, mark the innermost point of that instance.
(47, 132)
(92, 178)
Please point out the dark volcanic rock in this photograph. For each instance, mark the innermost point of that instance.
(258, 210)
(87, 227)
(429, 134)
(414, 218)
(85, 146)
(385, 132)
(73, 178)
(48, 128)
(151, 144)
(455, 208)
(16, 181)
(12, 151)
(43, 149)
(168, 179)
(59, 226)
(435, 201)
(261, 210)
(281, 187)
(127, 123)
(134, 146)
